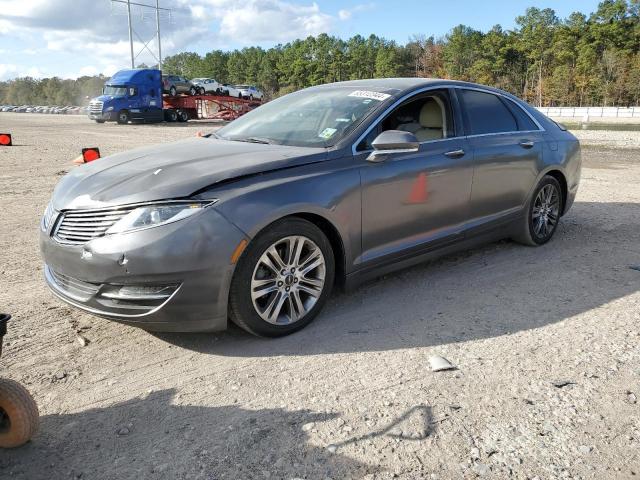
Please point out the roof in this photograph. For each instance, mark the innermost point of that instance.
(397, 85)
(138, 74)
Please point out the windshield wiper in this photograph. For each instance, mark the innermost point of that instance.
(265, 141)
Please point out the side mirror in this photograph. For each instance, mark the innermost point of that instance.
(393, 141)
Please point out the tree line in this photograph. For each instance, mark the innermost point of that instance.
(581, 60)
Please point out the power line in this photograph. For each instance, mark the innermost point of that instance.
(132, 31)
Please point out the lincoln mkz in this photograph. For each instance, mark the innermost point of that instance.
(327, 186)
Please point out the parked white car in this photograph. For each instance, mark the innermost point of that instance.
(231, 91)
(207, 85)
(250, 92)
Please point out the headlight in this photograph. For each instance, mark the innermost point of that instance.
(47, 217)
(149, 216)
(109, 109)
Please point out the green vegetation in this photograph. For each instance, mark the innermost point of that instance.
(580, 60)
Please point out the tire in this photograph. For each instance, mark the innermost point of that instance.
(182, 116)
(123, 117)
(173, 91)
(192, 91)
(100, 121)
(243, 309)
(202, 91)
(170, 115)
(537, 228)
(18, 414)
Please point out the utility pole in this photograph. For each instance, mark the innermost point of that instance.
(132, 31)
(158, 33)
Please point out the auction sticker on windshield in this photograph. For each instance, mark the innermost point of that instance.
(368, 94)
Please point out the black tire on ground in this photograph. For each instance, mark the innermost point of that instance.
(123, 117)
(183, 116)
(241, 309)
(528, 231)
(18, 414)
(100, 121)
(173, 91)
(170, 115)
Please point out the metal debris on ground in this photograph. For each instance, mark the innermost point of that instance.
(440, 364)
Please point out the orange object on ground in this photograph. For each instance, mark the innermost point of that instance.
(90, 154)
(5, 139)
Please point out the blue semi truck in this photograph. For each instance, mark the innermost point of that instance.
(136, 96)
(131, 95)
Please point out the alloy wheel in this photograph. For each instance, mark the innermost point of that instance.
(546, 211)
(288, 280)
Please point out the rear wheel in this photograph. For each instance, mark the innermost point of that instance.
(542, 213)
(182, 116)
(100, 121)
(283, 279)
(192, 91)
(173, 91)
(202, 91)
(18, 414)
(170, 115)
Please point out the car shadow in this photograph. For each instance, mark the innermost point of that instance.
(157, 437)
(494, 290)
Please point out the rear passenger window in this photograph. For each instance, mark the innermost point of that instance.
(486, 113)
(524, 121)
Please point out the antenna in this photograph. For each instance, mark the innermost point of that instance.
(132, 32)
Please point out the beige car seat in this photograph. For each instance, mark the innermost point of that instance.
(431, 122)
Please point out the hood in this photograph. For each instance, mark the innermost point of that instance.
(106, 98)
(169, 171)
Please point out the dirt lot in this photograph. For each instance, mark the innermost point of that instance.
(546, 342)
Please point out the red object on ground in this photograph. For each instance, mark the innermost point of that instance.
(90, 154)
(5, 139)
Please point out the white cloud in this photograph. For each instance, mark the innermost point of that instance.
(346, 14)
(95, 31)
(9, 70)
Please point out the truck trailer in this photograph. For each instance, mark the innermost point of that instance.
(137, 96)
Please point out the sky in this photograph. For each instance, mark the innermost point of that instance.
(70, 38)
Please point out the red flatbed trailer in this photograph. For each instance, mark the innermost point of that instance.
(184, 107)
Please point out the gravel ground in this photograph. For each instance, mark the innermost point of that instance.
(545, 341)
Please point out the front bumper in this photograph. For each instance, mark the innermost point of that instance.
(191, 258)
(106, 116)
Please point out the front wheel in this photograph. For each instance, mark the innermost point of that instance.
(123, 117)
(542, 213)
(173, 91)
(18, 414)
(283, 279)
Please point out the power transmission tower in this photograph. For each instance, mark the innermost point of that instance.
(132, 31)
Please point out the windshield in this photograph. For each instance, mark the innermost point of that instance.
(198, 80)
(308, 118)
(114, 91)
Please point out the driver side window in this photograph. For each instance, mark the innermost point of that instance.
(427, 115)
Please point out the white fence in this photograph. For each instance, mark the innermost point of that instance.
(592, 112)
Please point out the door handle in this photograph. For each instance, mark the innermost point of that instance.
(455, 153)
(526, 144)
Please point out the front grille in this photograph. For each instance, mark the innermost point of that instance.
(81, 226)
(95, 107)
(73, 287)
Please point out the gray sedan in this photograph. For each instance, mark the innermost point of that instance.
(327, 186)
